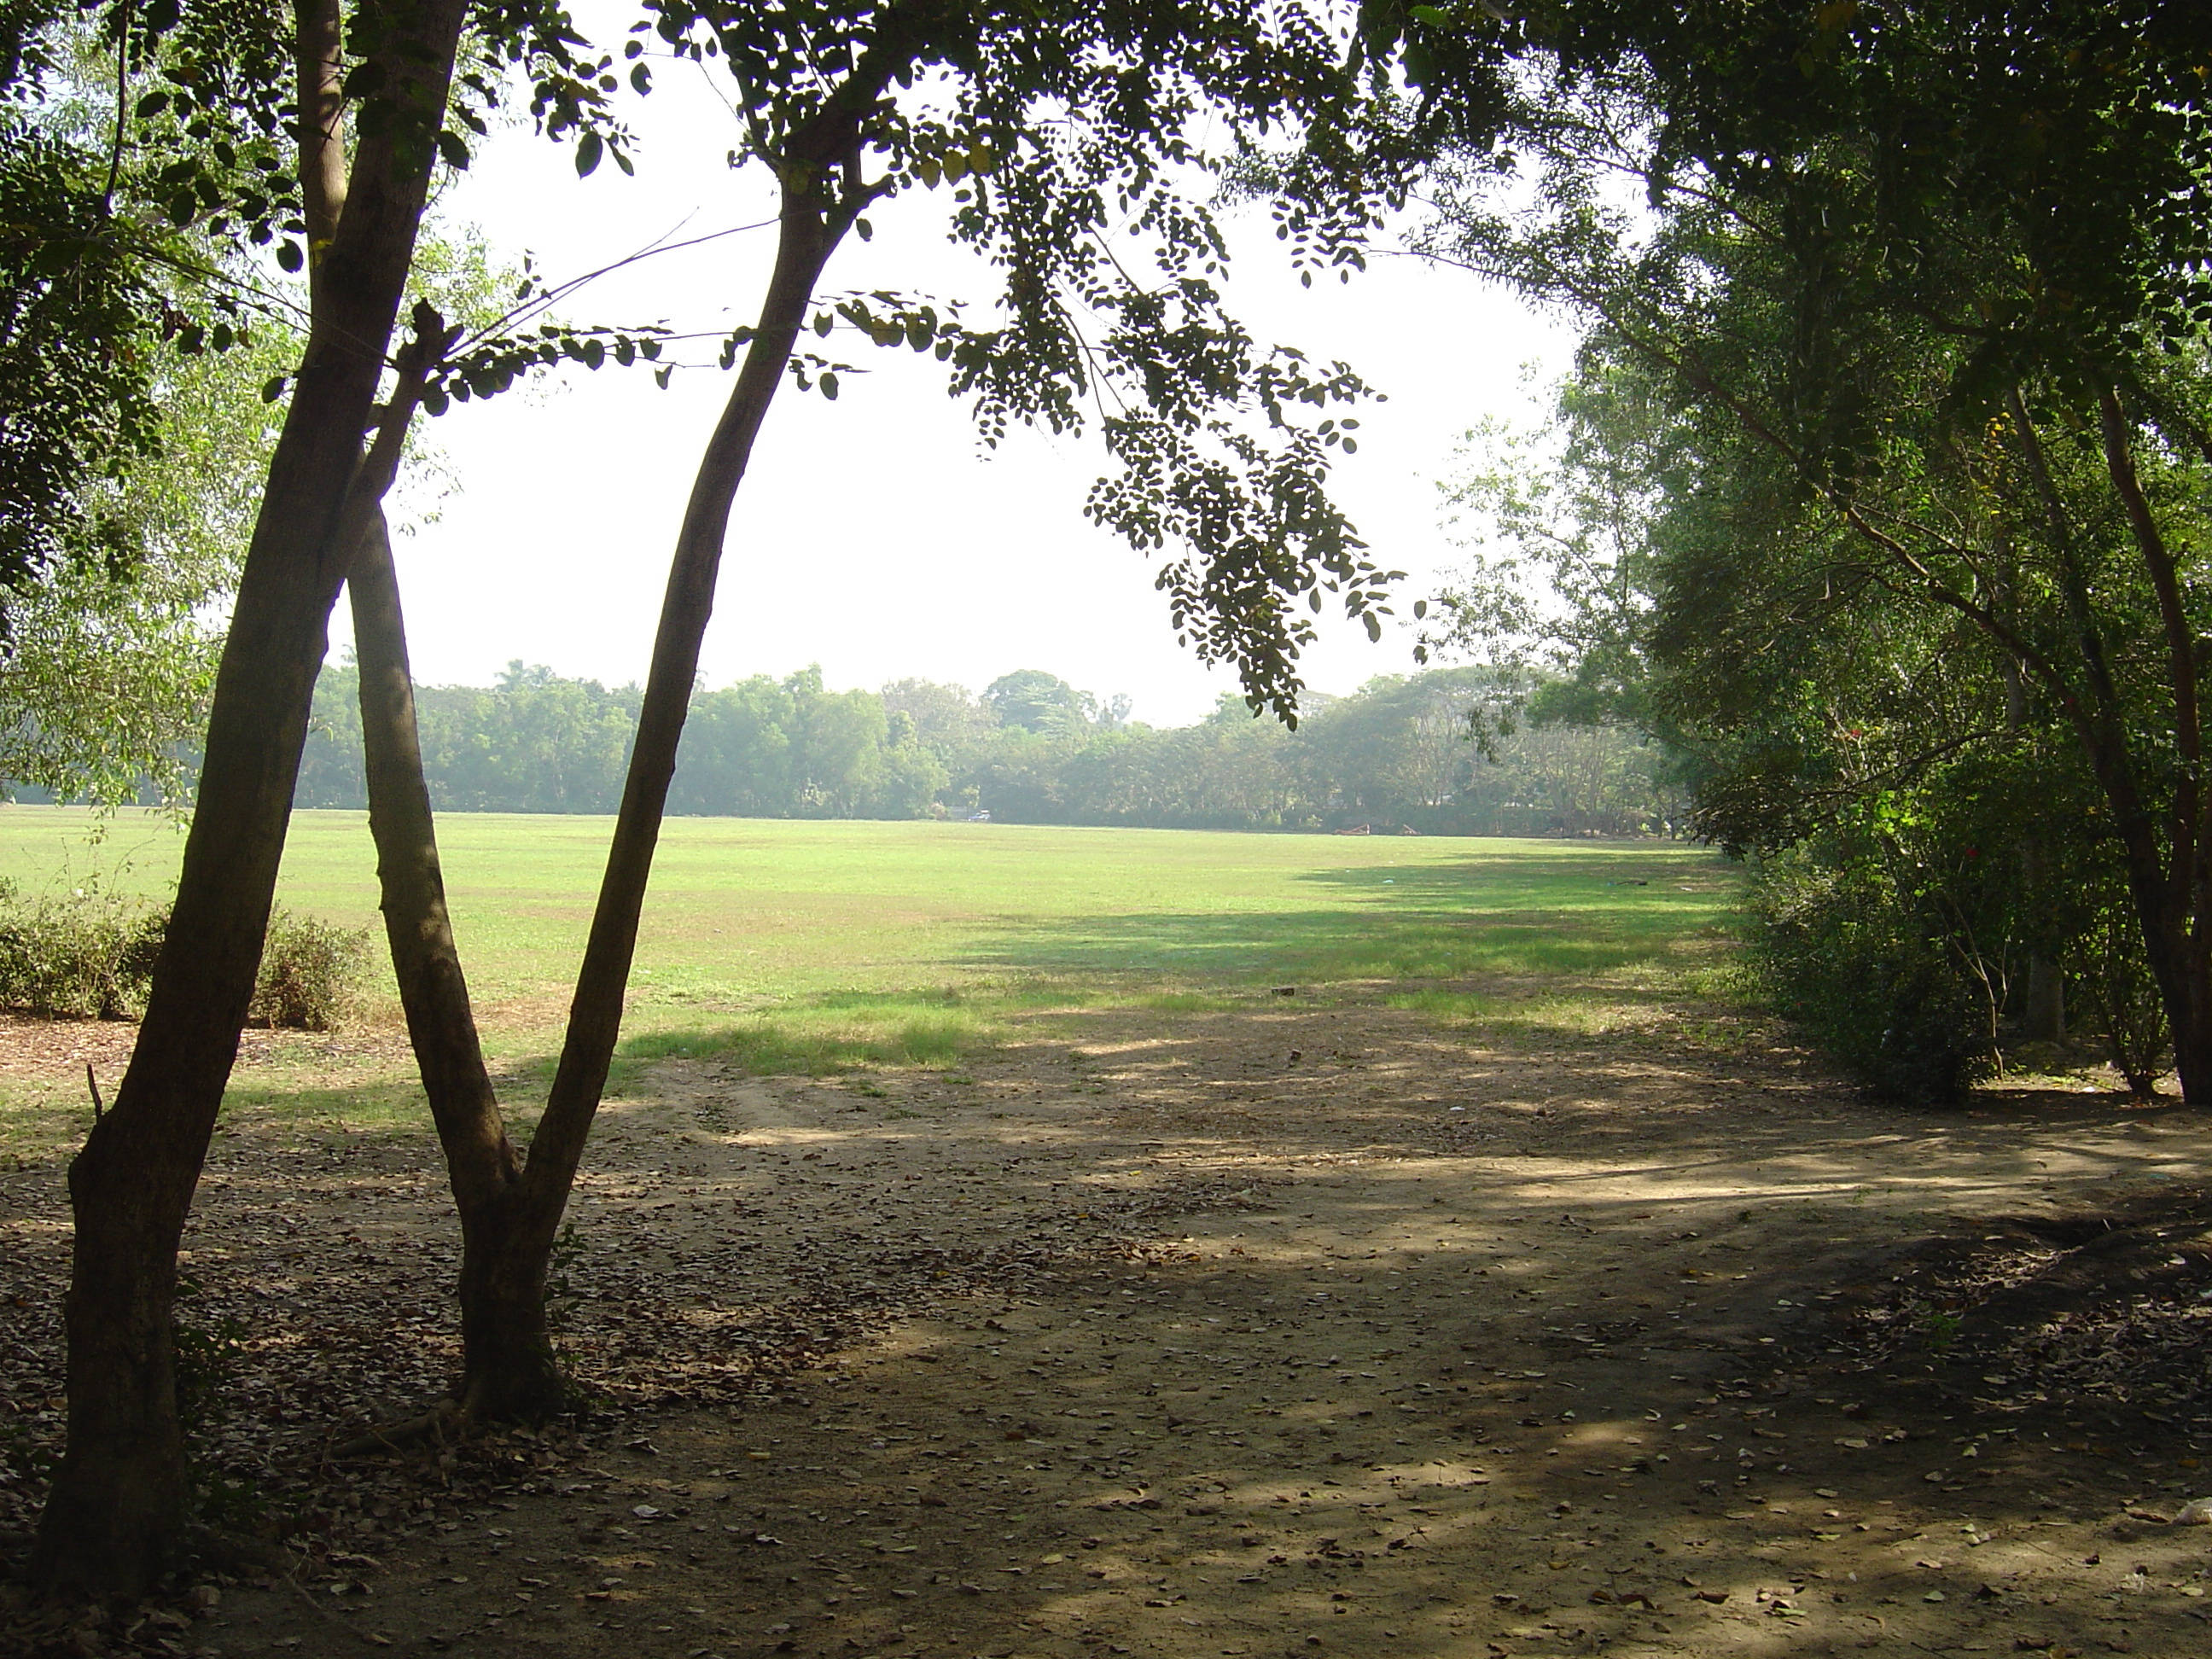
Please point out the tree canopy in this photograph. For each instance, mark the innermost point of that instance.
(1902, 361)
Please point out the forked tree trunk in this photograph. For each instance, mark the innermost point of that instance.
(510, 1216)
(510, 1369)
(117, 1513)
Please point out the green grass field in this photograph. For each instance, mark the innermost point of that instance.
(808, 943)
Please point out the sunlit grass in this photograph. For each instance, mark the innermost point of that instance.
(821, 1038)
(818, 947)
(1591, 1011)
(744, 913)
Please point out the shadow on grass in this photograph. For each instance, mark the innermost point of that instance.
(1392, 941)
(1578, 912)
(1616, 926)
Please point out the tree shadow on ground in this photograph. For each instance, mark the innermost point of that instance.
(1141, 1334)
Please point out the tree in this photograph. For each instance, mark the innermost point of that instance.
(1930, 305)
(223, 99)
(133, 433)
(82, 313)
(106, 674)
(948, 719)
(1038, 701)
(1211, 434)
(737, 757)
(842, 735)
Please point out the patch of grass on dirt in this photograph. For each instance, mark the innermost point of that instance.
(1641, 998)
(1185, 1002)
(36, 1123)
(831, 1036)
(1586, 1013)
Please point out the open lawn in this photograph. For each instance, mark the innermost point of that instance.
(809, 942)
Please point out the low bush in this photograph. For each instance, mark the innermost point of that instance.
(1842, 958)
(90, 956)
(311, 973)
(86, 955)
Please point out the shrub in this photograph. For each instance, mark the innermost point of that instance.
(90, 956)
(1839, 956)
(311, 973)
(2123, 999)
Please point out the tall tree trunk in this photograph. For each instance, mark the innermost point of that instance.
(510, 1370)
(2166, 886)
(2176, 958)
(503, 1297)
(117, 1516)
(2185, 905)
(2192, 1031)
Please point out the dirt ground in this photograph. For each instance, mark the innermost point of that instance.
(1302, 1329)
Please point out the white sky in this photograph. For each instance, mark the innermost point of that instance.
(874, 535)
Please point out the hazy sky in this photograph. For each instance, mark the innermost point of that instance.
(875, 535)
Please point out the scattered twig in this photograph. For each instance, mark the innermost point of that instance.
(429, 1426)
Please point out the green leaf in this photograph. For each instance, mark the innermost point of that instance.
(288, 255)
(588, 149)
(830, 385)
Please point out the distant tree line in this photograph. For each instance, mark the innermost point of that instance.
(1436, 752)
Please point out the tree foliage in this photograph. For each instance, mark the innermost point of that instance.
(1402, 751)
(1109, 315)
(1915, 311)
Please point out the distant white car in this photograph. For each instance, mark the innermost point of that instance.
(979, 818)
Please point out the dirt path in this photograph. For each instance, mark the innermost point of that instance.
(1294, 1332)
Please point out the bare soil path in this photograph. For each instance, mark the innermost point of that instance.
(1294, 1330)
